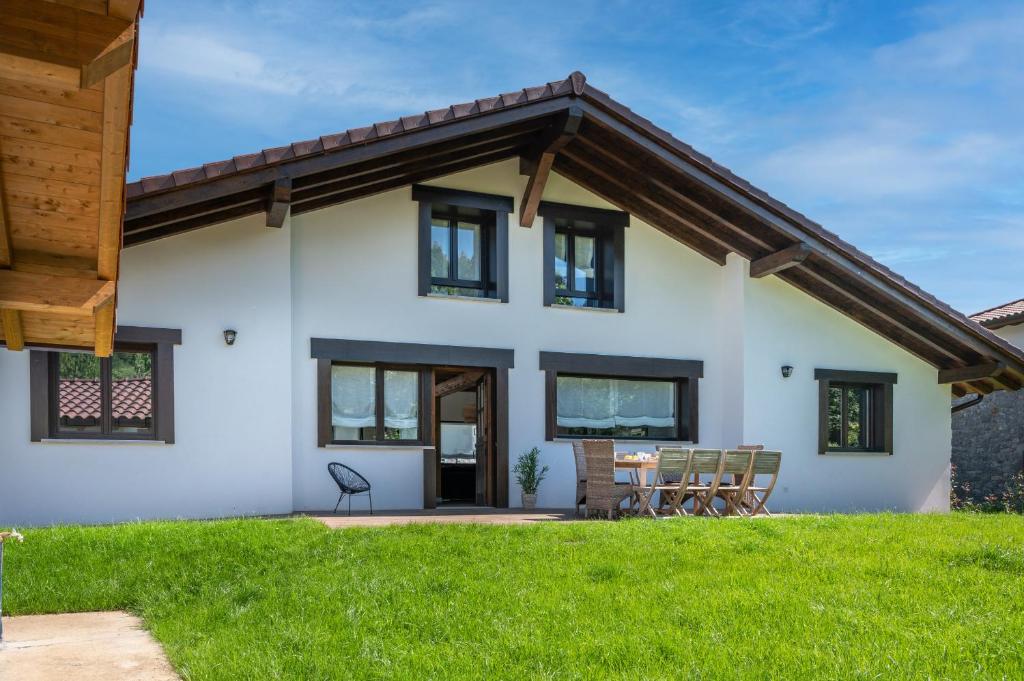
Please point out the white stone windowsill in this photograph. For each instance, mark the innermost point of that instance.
(472, 299)
(603, 310)
(87, 441)
(379, 448)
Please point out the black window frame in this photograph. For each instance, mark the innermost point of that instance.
(879, 416)
(607, 228)
(422, 380)
(600, 238)
(486, 221)
(685, 373)
(45, 392)
(490, 211)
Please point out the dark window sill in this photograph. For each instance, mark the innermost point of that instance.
(401, 446)
(98, 441)
(563, 306)
(854, 452)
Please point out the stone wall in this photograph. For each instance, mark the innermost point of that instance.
(988, 442)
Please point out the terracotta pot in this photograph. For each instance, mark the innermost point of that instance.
(529, 501)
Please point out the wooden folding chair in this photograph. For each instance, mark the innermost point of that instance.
(669, 479)
(704, 462)
(765, 462)
(736, 462)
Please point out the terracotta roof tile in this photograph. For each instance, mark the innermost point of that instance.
(998, 316)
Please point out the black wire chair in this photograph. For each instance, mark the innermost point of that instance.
(350, 483)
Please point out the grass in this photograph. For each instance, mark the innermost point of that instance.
(873, 596)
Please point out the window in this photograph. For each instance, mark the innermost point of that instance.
(129, 395)
(633, 398)
(375, 405)
(583, 256)
(855, 411)
(463, 243)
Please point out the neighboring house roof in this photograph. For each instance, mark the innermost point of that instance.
(612, 152)
(1002, 315)
(80, 399)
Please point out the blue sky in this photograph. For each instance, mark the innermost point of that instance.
(896, 124)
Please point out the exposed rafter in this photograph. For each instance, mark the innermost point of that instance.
(280, 201)
(780, 260)
(14, 335)
(540, 158)
(459, 383)
(971, 373)
(47, 293)
(110, 61)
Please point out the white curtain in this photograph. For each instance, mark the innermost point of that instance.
(401, 400)
(610, 402)
(353, 397)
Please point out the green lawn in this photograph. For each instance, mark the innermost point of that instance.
(875, 596)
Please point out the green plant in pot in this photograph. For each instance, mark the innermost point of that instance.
(529, 474)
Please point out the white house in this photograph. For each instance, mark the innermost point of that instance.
(426, 298)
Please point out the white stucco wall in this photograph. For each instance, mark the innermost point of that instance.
(232, 404)
(246, 415)
(354, 276)
(786, 327)
(1013, 333)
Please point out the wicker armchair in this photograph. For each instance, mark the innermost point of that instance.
(581, 473)
(603, 494)
(349, 484)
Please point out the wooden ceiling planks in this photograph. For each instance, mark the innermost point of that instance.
(66, 69)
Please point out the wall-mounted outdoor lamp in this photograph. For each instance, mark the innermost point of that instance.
(229, 336)
(787, 371)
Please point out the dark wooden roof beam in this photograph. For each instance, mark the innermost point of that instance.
(253, 207)
(280, 201)
(402, 180)
(627, 201)
(541, 159)
(601, 155)
(639, 185)
(780, 260)
(971, 373)
(380, 148)
(337, 178)
(884, 285)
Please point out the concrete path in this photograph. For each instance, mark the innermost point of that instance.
(474, 514)
(87, 646)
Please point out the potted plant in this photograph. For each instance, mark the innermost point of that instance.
(529, 474)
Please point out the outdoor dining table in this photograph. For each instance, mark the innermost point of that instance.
(639, 469)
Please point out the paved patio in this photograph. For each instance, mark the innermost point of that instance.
(468, 514)
(86, 646)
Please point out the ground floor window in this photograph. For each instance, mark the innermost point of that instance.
(630, 398)
(593, 406)
(129, 395)
(375, 404)
(855, 411)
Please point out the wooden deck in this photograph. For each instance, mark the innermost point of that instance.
(467, 514)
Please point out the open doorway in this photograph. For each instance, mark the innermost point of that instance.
(464, 425)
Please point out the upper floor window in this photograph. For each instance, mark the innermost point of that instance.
(463, 243)
(855, 411)
(128, 396)
(584, 256)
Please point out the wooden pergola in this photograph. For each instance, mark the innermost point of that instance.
(66, 75)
